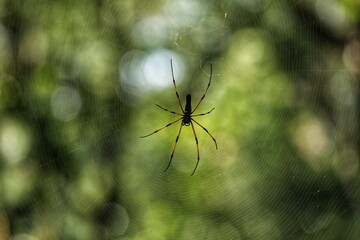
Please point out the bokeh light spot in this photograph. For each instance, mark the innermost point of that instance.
(117, 218)
(346, 163)
(141, 73)
(14, 140)
(65, 103)
(157, 70)
(311, 140)
(23, 236)
(151, 32)
(254, 5)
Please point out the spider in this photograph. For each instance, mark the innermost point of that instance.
(186, 118)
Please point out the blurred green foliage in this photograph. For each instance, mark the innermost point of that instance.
(78, 85)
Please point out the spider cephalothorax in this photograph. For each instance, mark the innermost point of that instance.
(187, 118)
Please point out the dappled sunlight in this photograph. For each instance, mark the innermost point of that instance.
(95, 62)
(90, 116)
(311, 139)
(249, 50)
(19, 182)
(141, 73)
(157, 70)
(254, 6)
(34, 47)
(332, 13)
(351, 56)
(265, 227)
(346, 163)
(15, 140)
(151, 32)
(65, 103)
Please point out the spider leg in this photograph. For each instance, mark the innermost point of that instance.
(197, 148)
(202, 114)
(205, 90)
(168, 110)
(172, 154)
(206, 131)
(177, 94)
(162, 128)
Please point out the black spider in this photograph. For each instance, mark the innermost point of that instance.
(187, 118)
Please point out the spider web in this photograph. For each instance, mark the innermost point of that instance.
(79, 83)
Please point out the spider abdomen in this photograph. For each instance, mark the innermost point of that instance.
(187, 113)
(188, 104)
